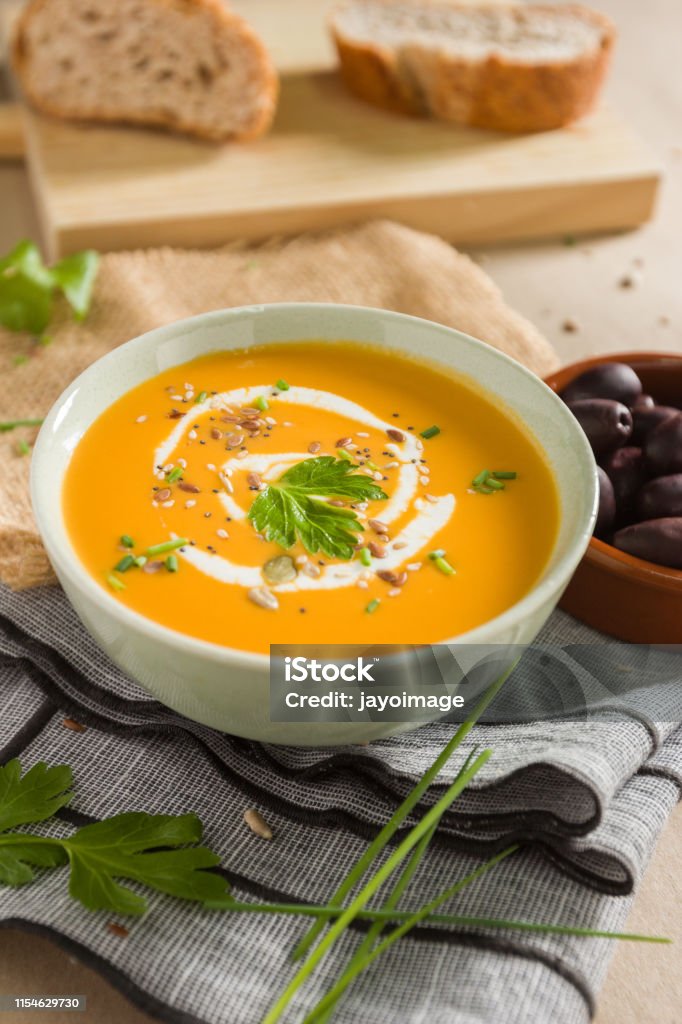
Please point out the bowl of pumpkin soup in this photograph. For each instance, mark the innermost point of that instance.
(305, 474)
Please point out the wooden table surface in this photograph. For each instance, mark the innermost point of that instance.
(552, 284)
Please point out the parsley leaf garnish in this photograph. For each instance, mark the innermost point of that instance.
(131, 846)
(295, 507)
(27, 286)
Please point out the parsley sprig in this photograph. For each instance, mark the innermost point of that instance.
(133, 846)
(294, 508)
(28, 287)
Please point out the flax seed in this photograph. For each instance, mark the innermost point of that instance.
(73, 725)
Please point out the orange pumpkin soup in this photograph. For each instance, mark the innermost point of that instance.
(311, 492)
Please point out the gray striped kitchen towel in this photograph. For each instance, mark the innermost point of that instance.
(585, 797)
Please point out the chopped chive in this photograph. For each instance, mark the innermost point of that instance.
(493, 484)
(172, 563)
(167, 545)
(126, 563)
(484, 489)
(373, 605)
(281, 385)
(115, 583)
(140, 561)
(343, 454)
(20, 360)
(174, 475)
(371, 465)
(23, 448)
(504, 474)
(201, 397)
(430, 432)
(480, 478)
(127, 541)
(444, 566)
(261, 403)
(365, 556)
(12, 424)
(438, 553)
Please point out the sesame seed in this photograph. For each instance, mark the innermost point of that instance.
(391, 465)
(361, 433)
(176, 398)
(190, 504)
(168, 504)
(192, 435)
(242, 454)
(394, 592)
(140, 419)
(223, 534)
(363, 584)
(287, 424)
(413, 566)
(183, 463)
(210, 466)
(424, 480)
(431, 498)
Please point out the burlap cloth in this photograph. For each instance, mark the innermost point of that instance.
(378, 264)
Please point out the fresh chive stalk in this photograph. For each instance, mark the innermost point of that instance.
(140, 561)
(493, 484)
(127, 562)
(127, 541)
(328, 911)
(332, 997)
(480, 479)
(115, 583)
(504, 474)
(438, 553)
(372, 606)
(201, 398)
(343, 454)
(431, 817)
(409, 803)
(261, 403)
(365, 556)
(13, 424)
(430, 432)
(282, 385)
(166, 546)
(172, 563)
(174, 475)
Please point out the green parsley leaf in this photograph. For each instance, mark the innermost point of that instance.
(35, 796)
(18, 859)
(26, 289)
(294, 507)
(75, 275)
(130, 846)
(127, 846)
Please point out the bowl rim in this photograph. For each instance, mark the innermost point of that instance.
(77, 575)
(598, 551)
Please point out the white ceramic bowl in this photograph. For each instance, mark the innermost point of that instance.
(227, 688)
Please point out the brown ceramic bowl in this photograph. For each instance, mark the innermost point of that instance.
(612, 591)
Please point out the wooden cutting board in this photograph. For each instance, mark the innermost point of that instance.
(331, 159)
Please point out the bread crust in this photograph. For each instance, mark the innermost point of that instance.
(224, 20)
(496, 93)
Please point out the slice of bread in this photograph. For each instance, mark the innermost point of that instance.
(516, 68)
(190, 66)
